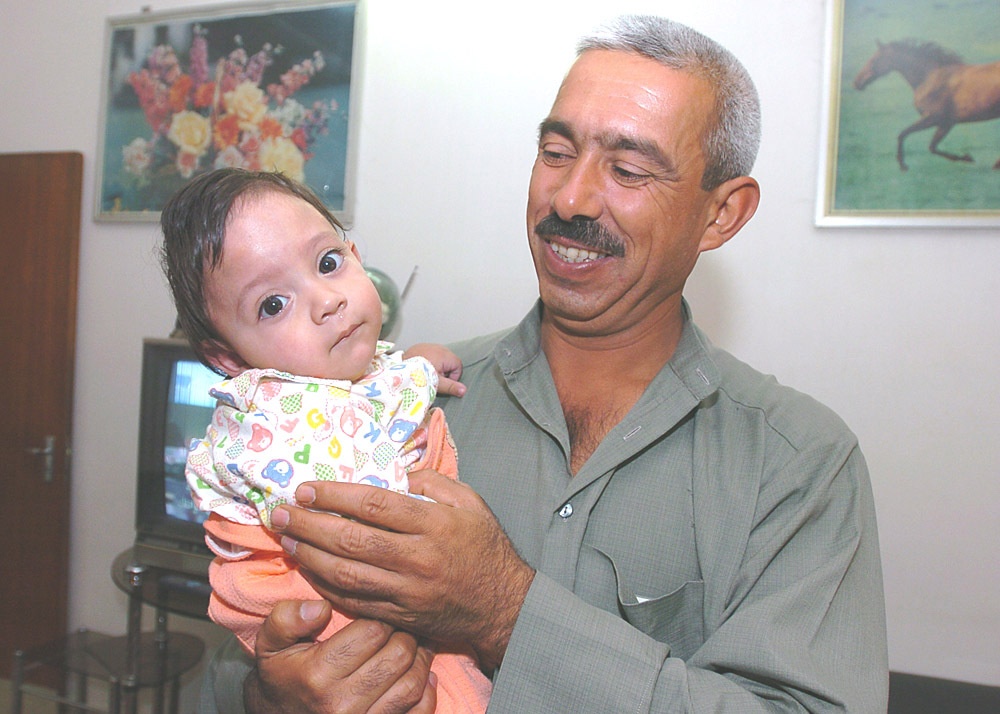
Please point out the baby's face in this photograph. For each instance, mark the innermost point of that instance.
(291, 294)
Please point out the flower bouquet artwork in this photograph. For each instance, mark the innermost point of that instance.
(263, 91)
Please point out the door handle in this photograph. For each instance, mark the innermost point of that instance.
(48, 451)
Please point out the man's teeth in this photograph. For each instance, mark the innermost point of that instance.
(574, 255)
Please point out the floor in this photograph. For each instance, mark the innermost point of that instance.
(98, 698)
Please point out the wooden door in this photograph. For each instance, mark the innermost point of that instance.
(39, 247)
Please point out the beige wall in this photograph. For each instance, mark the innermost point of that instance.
(896, 329)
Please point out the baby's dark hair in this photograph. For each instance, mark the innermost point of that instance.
(194, 229)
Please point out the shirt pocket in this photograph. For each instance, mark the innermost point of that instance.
(675, 618)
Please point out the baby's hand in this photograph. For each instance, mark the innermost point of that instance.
(447, 364)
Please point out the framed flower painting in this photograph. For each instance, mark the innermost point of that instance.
(264, 87)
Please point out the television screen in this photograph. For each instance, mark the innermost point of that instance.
(175, 408)
(189, 410)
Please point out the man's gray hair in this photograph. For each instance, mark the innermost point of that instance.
(732, 140)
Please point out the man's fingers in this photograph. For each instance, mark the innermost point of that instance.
(415, 692)
(364, 663)
(346, 552)
(343, 580)
(444, 490)
(360, 502)
(290, 622)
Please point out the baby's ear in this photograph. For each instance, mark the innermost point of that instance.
(223, 358)
(355, 251)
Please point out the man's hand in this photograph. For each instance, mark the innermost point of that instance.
(365, 667)
(443, 570)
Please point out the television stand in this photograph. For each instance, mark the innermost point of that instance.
(180, 591)
(132, 661)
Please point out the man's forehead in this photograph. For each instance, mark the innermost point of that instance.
(629, 73)
(625, 101)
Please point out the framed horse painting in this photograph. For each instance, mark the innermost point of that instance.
(258, 86)
(912, 121)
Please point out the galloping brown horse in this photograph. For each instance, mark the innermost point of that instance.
(946, 90)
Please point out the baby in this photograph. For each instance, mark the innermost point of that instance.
(271, 294)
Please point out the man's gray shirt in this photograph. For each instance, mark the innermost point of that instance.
(717, 552)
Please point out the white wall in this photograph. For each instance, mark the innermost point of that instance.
(897, 329)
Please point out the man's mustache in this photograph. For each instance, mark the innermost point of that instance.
(584, 231)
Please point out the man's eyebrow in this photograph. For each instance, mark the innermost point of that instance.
(613, 141)
(554, 126)
(644, 147)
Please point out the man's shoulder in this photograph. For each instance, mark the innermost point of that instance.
(482, 374)
(477, 350)
(795, 416)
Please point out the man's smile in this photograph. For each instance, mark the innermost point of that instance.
(574, 255)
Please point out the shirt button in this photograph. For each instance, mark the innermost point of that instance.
(566, 511)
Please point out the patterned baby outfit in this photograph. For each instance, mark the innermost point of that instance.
(272, 431)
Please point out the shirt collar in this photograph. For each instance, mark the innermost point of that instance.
(691, 363)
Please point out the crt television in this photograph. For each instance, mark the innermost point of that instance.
(174, 408)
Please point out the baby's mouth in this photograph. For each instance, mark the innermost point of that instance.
(345, 335)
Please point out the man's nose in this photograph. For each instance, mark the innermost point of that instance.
(579, 194)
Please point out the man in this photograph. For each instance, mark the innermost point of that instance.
(685, 535)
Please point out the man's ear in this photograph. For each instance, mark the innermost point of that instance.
(222, 358)
(734, 203)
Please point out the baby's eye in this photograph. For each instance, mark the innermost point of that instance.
(330, 261)
(272, 305)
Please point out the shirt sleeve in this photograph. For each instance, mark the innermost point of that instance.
(796, 625)
(222, 685)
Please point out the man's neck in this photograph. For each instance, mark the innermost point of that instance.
(599, 378)
(635, 354)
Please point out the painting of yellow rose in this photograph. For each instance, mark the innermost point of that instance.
(185, 93)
